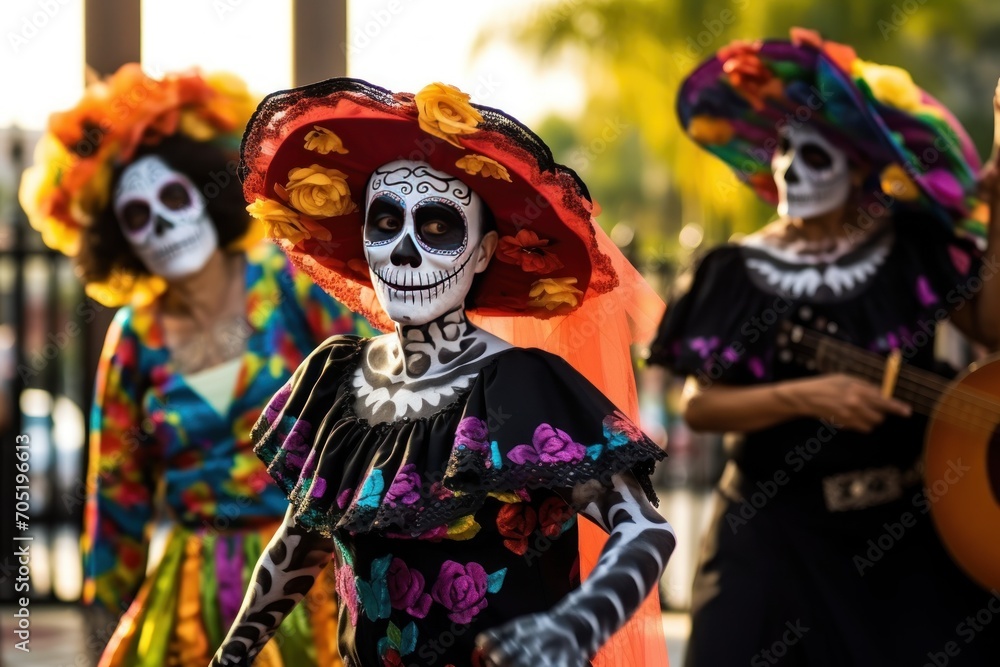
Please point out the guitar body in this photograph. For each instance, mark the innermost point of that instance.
(962, 472)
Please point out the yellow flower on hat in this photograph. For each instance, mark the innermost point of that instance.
(284, 223)
(551, 293)
(710, 131)
(890, 85)
(897, 183)
(324, 141)
(484, 166)
(445, 112)
(319, 192)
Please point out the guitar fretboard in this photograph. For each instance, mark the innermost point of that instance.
(922, 390)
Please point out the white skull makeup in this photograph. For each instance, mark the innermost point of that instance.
(423, 233)
(164, 218)
(812, 174)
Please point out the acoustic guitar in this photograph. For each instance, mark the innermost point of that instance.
(963, 431)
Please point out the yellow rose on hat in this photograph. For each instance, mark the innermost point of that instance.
(445, 112)
(324, 141)
(890, 85)
(710, 131)
(284, 223)
(483, 166)
(319, 192)
(550, 293)
(897, 183)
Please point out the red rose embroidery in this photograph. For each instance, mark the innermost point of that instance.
(516, 522)
(553, 515)
(526, 249)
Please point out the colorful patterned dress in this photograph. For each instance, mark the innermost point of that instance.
(160, 450)
(451, 524)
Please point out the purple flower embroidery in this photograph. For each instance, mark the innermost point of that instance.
(756, 367)
(548, 445)
(405, 488)
(925, 293)
(704, 346)
(344, 498)
(473, 434)
(277, 404)
(960, 259)
(461, 589)
(318, 488)
(347, 591)
(297, 444)
(406, 590)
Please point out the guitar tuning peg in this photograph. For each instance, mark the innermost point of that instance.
(831, 328)
(821, 322)
(785, 356)
(811, 365)
(797, 334)
(806, 313)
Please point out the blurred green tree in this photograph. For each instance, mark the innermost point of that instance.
(636, 53)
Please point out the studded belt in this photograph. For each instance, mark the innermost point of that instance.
(860, 489)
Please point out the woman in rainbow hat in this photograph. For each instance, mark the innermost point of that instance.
(821, 550)
(137, 183)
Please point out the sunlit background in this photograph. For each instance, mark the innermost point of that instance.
(596, 78)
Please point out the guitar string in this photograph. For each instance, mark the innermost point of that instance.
(919, 377)
(871, 366)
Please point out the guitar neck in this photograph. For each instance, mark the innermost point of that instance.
(921, 389)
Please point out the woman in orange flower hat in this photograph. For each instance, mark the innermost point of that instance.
(137, 184)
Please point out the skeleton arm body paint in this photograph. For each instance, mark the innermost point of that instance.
(640, 543)
(284, 574)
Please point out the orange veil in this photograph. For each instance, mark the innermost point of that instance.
(596, 339)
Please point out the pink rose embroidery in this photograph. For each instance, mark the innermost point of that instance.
(548, 445)
(406, 590)
(461, 589)
(473, 434)
(405, 488)
(347, 591)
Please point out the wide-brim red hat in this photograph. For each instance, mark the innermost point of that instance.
(308, 153)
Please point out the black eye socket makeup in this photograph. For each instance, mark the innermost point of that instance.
(440, 226)
(175, 196)
(816, 156)
(134, 215)
(384, 220)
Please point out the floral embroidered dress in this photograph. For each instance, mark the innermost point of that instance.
(160, 449)
(448, 525)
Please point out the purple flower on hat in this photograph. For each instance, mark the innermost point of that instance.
(405, 488)
(473, 434)
(406, 590)
(461, 589)
(344, 498)
(619, 430)
(548, 445)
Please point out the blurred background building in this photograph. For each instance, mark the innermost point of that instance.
(596, 78)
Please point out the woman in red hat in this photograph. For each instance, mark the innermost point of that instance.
(821, 549)
(444, 466)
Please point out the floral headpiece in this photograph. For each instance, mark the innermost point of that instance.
(735, 103)
(69, 183)
(308, 153)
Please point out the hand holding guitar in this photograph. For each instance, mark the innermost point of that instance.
(850, 402)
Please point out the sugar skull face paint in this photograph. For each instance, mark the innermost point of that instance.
(423, 235)
(812, 175)
(164, 218)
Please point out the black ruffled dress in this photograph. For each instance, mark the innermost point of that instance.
(782, 575)
(448, 525)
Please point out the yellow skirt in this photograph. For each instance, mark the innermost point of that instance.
(184, 609)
